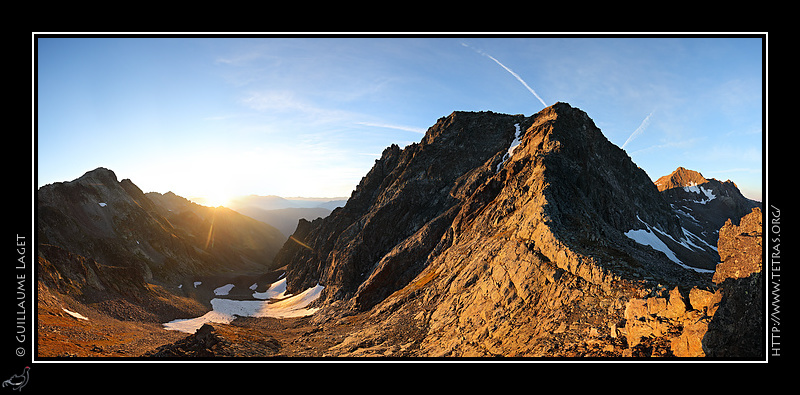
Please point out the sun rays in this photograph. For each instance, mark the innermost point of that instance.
(292, 238)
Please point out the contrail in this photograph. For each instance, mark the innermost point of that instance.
(510, 71)
(389, 126)
(638, 130)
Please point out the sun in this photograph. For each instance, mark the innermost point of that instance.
(215, 199)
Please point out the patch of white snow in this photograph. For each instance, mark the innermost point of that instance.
(225, 310)
(192, 324)
(223, 290)
(697, 238)
(76, 315)
(646, 237)
(696, 189)
(102, 204)
(276, 291)
(511, 148)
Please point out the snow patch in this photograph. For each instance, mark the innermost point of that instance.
(702, 270)
(193, 324)
(697, 238)
(275, 291)
(223, 290)
(76, 315)
(197, 283)
(511, 148)
(225, 310)
(697, 189)
(102, 204)
(648, 237)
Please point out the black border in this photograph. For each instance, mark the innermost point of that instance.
(306, 374)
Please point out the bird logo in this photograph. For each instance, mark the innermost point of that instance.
(18, 380)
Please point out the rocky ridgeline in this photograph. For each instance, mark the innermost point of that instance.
(462, 246)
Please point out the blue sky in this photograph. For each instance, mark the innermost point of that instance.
(219, 117)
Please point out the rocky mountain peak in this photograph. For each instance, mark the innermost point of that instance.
(551, 181)
(497, 224)
(589, 176)
(100, 175)
(681, 177)
(459, 127)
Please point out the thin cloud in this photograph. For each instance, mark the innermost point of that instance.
(510, 71)
(670, 144)
(389, 126)
(294, 107)
(736, 170)
(638, 130)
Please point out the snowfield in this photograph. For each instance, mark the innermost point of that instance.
(694, 188)
(276, 305)
(648, 237)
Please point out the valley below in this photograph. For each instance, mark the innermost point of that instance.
(67, 328)
(64, 333)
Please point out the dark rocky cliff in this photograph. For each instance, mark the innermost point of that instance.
(399, 210)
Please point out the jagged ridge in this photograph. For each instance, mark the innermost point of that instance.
(463, 246)
(525, 238)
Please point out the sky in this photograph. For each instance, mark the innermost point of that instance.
(308, 116)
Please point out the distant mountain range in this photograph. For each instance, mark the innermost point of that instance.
(283, 213)
(272, 202)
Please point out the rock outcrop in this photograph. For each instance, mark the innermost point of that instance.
(737, 329)
(725, 319)
(220, 341)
